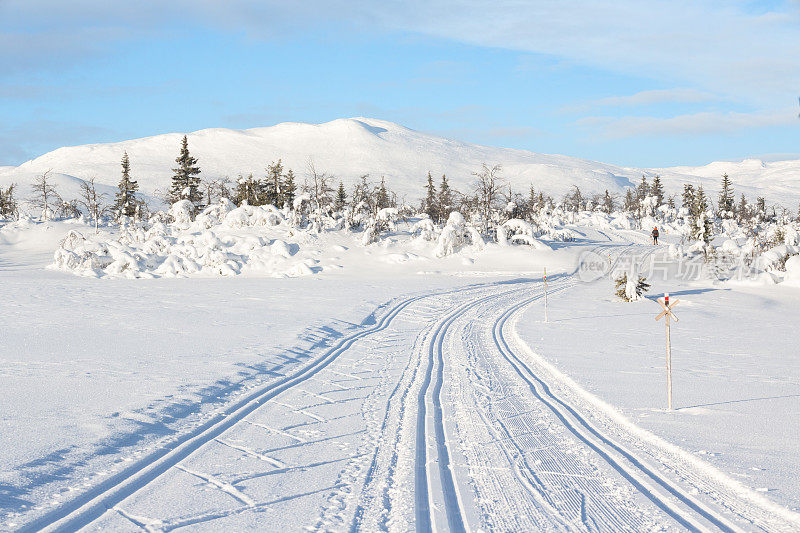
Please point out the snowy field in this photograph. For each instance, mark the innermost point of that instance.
(382, 387)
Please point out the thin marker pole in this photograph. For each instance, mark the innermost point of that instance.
(669, 357)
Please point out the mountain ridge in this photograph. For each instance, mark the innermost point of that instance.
(351, 147)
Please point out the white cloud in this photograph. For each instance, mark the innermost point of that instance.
(717, 46)
(657, 96)
(703, 123)
(644, 98)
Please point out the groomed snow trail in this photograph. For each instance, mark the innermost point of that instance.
(434, 418)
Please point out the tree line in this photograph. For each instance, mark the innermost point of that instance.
(489, 202)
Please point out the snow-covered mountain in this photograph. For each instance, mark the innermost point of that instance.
(349, 148)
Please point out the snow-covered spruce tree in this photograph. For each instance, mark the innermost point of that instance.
(288, 189)
(761, 209)
(429, 204)
(341, 198)
(630, 205)
(630, 287)
(657, 190)
(688, 197)
(726, 201)
(382, 198)
(8, 204)
(607, 203)
(185, 180)
(445, 201)
(248, 191)
(529, 208)
(703, 228)
(272, 184)
(643, 189)
(743, 210)
(125, 201)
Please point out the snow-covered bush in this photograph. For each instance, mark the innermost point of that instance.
(455, 235)
(223, 240)
(181, 213)
(425, 229)
(630, 286)
(792, 277)
(775, 258)
(518, 231)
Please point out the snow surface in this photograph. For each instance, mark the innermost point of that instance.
(349, 148)
(390, 389)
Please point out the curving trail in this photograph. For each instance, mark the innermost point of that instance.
(435, 418)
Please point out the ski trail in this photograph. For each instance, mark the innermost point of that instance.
(94, 502)
(426, 495)
(643, 478)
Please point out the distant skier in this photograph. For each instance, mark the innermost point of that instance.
(655, 235)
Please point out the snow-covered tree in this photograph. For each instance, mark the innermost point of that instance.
(456, 234)
(249, 191)
(702, 228)
(630, 205)
(92, 201)
(430, 204)
(574, 201)
(761, 209)
(341, 197)
(688, 197)
(125, 202)
(288, 189)
(743, 210)
(445, 201)
(382, 197)
(643, 189)
(726, 200)
(487, 193)
(607, 203)
(185, 180)
(657, 190)
(217, 189)
(8, 203)
(318, 186)
(630, 285)
(45, 196)
(273, 184)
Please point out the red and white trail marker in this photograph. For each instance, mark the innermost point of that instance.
(667, 314)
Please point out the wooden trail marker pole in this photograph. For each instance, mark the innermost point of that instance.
(667, 314)
(545, 294)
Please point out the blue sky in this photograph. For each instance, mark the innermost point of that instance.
(634, 83)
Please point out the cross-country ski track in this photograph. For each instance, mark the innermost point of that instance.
(436, 417)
